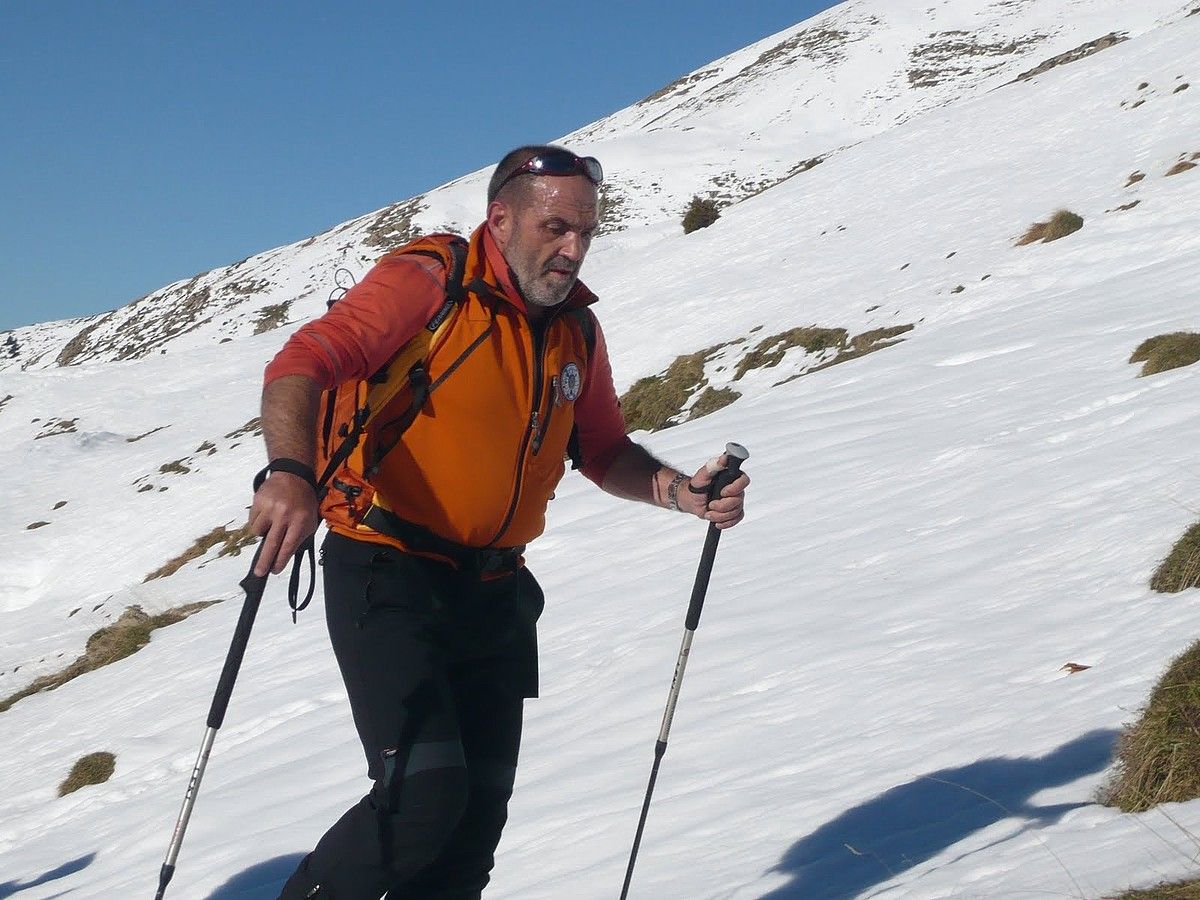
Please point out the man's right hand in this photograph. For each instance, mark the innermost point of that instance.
(285, 512)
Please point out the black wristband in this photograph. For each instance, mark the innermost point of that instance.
(292, 467)
(699, 490)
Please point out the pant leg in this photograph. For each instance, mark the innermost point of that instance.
(489, 689)
(383, 621)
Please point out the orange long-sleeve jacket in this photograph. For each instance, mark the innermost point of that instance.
(480, 463)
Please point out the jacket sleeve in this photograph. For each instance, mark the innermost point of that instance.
(601, 427)
(364, 329)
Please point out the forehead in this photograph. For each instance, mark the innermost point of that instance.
(570, 198)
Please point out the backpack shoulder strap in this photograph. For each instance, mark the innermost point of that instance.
(407, 365)
(587, 325)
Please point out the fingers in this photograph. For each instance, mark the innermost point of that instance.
(729, 509)
(284, 515)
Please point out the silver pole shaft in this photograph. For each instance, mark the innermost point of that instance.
(189, 799)
(676, 684)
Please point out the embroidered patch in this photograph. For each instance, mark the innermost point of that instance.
(570, 381)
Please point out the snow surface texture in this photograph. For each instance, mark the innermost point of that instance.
(875, 704)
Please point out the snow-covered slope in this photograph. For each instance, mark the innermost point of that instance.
(875, 704)
(728, 130)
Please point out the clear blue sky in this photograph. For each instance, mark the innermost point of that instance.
(144, 142)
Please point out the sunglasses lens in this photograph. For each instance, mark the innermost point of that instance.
(592, 169)
(563, 163)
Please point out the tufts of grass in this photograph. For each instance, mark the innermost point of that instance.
(711, 400)
(1158, 757)
(875, 338)
(176, 466)
(1061, 224)
(1181, 569)
(770, 351)
(1180, 167)
(1180, 890)
(234, 542)
(701, 213)
(652, 402)
(1164, 352)
(95, 768)
(271, 317)
(129, 634)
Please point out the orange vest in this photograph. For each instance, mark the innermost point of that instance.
(480, 462)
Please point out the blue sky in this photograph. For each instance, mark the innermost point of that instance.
(145, 142)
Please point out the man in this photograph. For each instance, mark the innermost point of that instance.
(430, 610)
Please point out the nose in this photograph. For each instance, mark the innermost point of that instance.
(571, 246)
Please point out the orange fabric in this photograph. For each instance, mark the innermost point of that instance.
(481, 462)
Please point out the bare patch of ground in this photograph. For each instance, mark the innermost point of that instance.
(1081, 52)
(114, 642)
(231, 543)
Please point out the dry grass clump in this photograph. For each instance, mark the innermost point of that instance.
(1180, 167)
(271, 317)
(875, 338)
(1164, 352)
(234, 542)
(711, 400)
(653, 401)
(701, 213)
(95, 768)
(129, 634)
(1181, 569)
(1180, 890)
(770, 350)
(1061, 224)
(1158, 757)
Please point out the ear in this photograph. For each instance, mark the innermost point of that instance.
(500, 222)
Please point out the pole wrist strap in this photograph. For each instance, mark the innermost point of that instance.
(291, 466)
(306, 549)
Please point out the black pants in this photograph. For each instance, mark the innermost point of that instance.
(437, 664)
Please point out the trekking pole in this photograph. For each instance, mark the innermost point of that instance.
(737, 455)
(253, 585)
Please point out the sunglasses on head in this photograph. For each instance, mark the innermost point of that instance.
(556, 162)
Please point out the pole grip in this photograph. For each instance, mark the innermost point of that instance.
(253, 585)
(736, 454)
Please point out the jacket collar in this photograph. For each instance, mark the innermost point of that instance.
(486, 263)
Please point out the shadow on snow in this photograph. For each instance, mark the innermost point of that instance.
(263, 881)
(9, 888)
(904, 826)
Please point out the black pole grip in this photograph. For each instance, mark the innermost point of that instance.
(736, 454)
(253, 585)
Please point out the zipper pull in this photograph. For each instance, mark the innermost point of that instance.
(537, 436)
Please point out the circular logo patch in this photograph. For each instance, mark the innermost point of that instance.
(570, 381)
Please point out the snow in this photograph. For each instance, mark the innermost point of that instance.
(875, 704)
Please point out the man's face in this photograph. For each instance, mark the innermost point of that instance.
(544, 234)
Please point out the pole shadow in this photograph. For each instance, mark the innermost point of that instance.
(262, 881)
(906, 825)
(11, 888)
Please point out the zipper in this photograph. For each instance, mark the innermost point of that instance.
(538, 344)
(540, 433)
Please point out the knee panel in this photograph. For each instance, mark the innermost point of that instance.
(420, 797)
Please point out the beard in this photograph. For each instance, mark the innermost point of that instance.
(548, 288)
(538, 282)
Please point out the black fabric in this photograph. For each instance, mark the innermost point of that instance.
(436, 666)
(469, 560)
